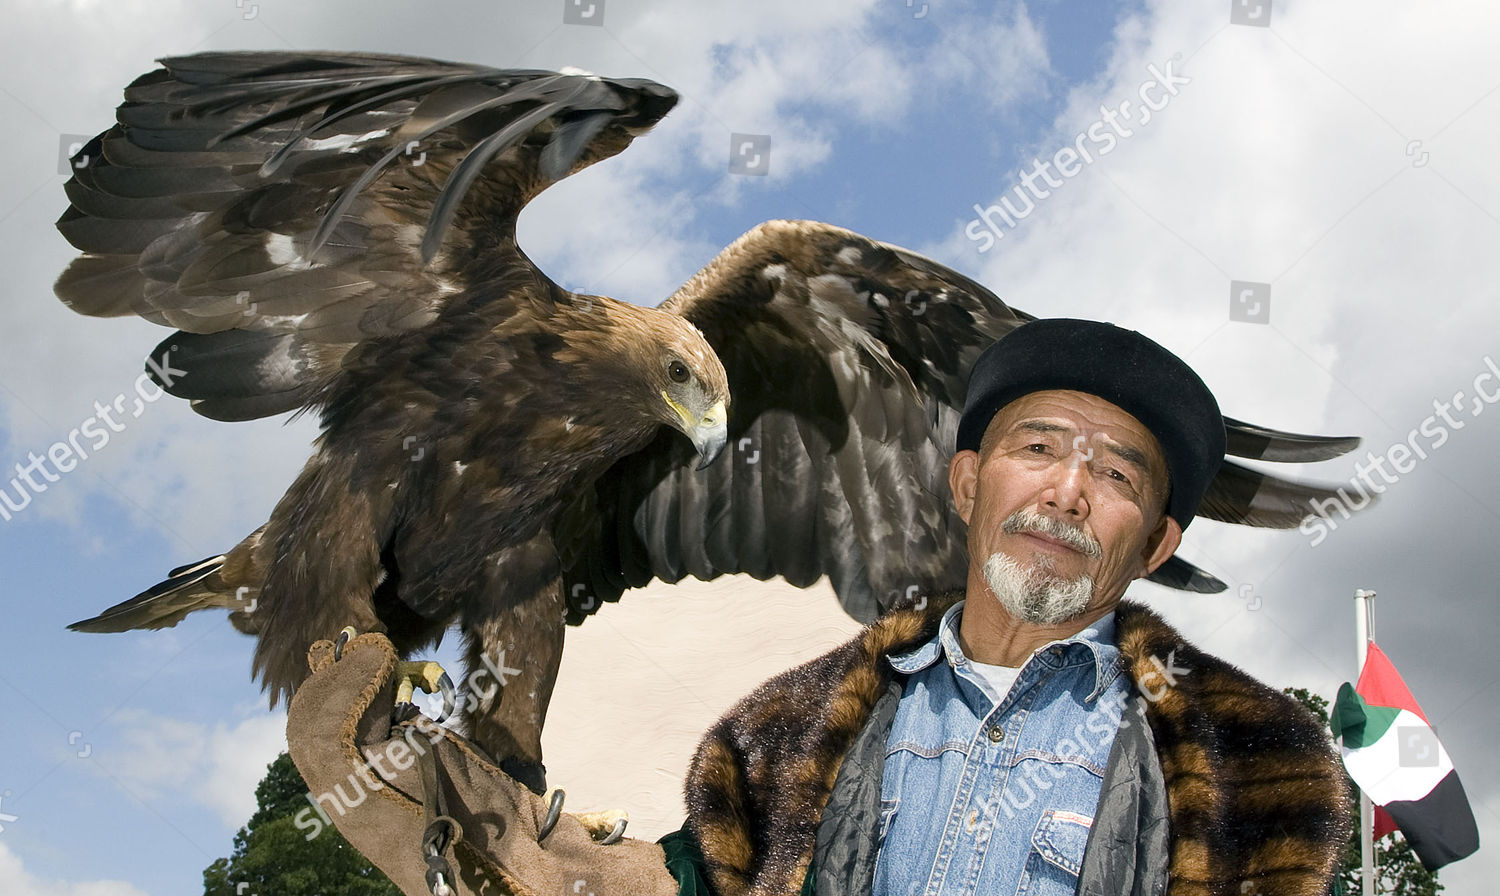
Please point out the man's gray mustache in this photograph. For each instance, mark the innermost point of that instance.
(1030, 521)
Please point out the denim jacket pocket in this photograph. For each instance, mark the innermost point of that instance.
(1060, 838)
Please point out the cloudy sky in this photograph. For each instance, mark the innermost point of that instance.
(1309, 215)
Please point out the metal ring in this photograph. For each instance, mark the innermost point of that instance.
(436, 839)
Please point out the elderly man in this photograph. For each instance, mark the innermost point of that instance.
(1035, 734)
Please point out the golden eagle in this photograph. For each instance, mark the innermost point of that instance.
(336, 232)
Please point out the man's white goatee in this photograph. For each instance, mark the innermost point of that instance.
(1037, 594)
(1034, 595)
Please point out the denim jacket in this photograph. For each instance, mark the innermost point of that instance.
(986, 797)
(1229, 783)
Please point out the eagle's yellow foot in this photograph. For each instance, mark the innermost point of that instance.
(605, 825)
(427, 676)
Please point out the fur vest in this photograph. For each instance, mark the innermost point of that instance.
(1255, 791)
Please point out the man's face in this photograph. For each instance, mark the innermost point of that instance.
(1065, 485)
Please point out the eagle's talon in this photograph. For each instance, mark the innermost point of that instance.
(429, 677)
(554, 812)
(606, 826)
(344, 637)
(618, 834)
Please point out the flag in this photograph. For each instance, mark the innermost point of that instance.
(1394, 756)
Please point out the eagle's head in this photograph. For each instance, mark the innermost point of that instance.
(671, 374)
(693, 387)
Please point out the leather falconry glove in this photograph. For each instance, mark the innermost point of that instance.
(428, 808)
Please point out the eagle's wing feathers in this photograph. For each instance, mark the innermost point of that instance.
(1261, 443)
(279, 209)
(1238, 494)
(848, 361)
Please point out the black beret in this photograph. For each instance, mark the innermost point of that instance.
(1120, 366)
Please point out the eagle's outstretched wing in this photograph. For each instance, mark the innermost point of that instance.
(337, 232)
(279, 209)
(847, 359)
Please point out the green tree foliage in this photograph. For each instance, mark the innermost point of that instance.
(273, 857)
(1398, 871)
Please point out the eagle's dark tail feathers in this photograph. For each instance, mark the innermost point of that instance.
(166, 603)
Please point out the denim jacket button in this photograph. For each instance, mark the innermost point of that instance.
(997, 734)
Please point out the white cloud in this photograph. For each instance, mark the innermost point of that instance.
(213, 765)
(1001, 52)
(15, 880)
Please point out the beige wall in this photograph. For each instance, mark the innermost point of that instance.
(643, 678)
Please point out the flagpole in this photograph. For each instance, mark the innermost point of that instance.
(1362, 617)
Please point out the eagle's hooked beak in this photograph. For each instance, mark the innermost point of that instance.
(708, 433)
